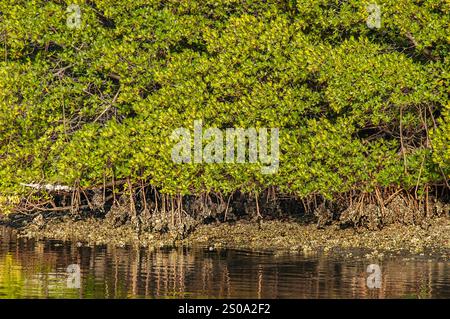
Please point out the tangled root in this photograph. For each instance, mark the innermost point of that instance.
(401, 207)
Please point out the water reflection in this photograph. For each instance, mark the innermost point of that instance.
(30, 269)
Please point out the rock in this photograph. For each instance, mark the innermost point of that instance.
(145, 220)
(117, 216)
(324, 216)
(38, 221)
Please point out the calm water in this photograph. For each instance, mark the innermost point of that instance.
(30, 269)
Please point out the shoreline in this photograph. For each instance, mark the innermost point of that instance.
(274, 235)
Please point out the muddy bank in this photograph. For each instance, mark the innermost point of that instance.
(274, 235)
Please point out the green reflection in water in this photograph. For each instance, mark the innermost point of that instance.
(37, 269)
(12, 278)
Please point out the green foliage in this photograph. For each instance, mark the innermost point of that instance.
(355, 105)
(441, 142)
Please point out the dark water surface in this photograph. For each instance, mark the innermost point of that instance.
(38, 269)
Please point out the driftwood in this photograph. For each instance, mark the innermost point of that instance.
(50, 187)
(64, 188)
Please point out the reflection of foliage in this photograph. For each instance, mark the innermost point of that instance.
(12, 279)
(38, 281)
(93, 288)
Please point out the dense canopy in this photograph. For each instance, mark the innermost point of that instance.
(358, 107)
